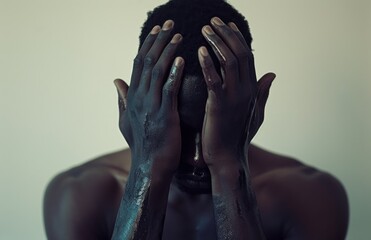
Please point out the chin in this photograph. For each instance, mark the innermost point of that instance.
(191, 102)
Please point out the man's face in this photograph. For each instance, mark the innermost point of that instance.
(192, 99)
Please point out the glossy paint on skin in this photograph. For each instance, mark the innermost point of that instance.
(134, 200)
(207, 33)
(198, 150)
(221, 217)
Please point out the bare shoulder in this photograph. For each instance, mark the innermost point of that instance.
(77, 200)
(315, 200)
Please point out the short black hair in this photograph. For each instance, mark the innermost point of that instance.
(189, 17)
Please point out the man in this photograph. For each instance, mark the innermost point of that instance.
(189, 115)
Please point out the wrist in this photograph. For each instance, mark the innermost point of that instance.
(227, 179)
(227, 163)
(152, 166)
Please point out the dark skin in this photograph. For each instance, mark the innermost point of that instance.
(186, 184)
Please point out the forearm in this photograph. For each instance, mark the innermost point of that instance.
(143, 206)
(235, 207)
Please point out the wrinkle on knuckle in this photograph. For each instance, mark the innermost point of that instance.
(138, 61)
(157, 73)
(228, 32)
(149, 61)
(207, 64)
(172, 76)
(231, 62)
(216, 41)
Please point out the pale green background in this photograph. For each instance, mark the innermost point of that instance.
(58, 103)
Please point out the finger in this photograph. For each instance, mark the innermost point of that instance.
(234, 27)
(231, 39)
(212, 78)
(226, 58)
(171, 87)
(242, 53)
(161, 69)
(122, 90)
(248, 71)
(138, 60)
(154, 54)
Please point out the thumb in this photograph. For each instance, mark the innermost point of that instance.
(264, 85)
(122, 90)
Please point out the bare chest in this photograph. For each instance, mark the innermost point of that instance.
(192, 216)
(189, 217)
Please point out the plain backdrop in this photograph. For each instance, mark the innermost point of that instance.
(58, 103)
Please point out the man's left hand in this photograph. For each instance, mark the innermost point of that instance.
(236, 101)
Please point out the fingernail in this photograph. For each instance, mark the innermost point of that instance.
(178, 62)
(208, 30)
(156, 29)
(233, 26)
(204, 52)
(217, 21)
(176, 38)
(168, 25)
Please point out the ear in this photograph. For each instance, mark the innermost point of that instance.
(264, 84)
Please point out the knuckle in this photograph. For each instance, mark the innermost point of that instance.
(208, 64)
(231, 62)
(228, 32)
(138, 61)
(157, 72)
(217, 41)
(168, 88)
(149, 61)
(172, 76)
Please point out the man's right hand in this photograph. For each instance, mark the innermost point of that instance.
(149, 118)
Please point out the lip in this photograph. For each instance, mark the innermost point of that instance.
(189, 182)
(199, 177)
